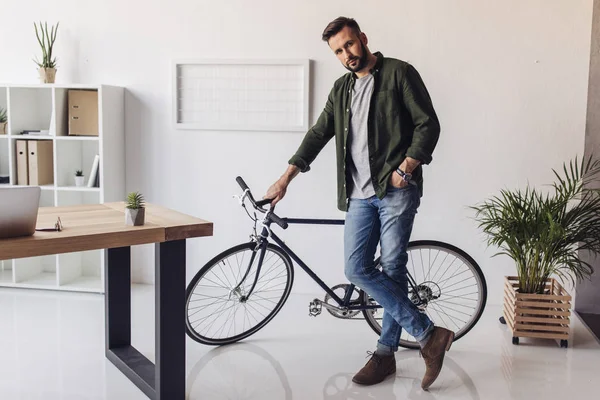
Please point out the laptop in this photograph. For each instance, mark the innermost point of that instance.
(18, 211)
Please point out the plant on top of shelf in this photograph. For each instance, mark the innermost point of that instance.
(135, 209)
(47, 67)
(3, 121)
(79, 173)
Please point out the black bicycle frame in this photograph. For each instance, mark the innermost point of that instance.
(345, 302)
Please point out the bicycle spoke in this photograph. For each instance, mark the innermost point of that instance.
(451, 319)
(461, 297)
(456, 304)
(224, 287)
(219, 310)
(464, 287)
(439, 283)
(251, 306)
(442, 263)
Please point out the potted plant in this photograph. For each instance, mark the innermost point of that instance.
(79, 178)
(3, 121)
(544, 234)
(135, 211)
(47, 67)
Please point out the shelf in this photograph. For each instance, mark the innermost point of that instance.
(51, 137)
(45, 107)
(51, 85)
(76, 138)
(44, 279)
(84, 284)
(32, 137)
(77, 189)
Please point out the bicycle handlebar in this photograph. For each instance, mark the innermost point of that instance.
(242, 184)
(259, 204)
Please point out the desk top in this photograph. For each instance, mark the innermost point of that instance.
(102, 226)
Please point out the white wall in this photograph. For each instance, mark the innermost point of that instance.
(508, 80)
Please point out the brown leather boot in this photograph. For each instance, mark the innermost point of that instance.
(433, 353)
(376, 370)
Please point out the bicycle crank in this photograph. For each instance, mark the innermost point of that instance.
(336, 311)
(316, 306)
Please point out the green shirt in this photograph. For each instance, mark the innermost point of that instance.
(402, 123)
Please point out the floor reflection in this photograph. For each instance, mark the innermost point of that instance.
(453, 382)
(238, 371)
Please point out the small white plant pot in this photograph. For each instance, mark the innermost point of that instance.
(135, 217)
(79, 181)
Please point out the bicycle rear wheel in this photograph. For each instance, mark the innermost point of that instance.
(217, 313)
(449, 280)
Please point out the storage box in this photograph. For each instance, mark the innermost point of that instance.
(22, 163)
(543, 316)
(41, 170)
(83, 112)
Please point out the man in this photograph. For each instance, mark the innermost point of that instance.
(385, 128)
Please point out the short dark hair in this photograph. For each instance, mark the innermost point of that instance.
(335, 26)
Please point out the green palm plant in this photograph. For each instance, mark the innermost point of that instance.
(3, 117)
(544, 233)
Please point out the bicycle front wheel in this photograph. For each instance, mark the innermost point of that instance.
(217, 310)
(448, 280)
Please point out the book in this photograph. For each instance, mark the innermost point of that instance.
(94, 172)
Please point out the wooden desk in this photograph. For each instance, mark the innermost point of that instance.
(102, 226)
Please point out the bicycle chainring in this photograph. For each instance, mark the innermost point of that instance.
(340, 290)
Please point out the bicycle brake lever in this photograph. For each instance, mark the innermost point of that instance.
(242, 197)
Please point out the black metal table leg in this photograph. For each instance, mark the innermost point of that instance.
(166, 379)
(117, 286)
(170, 320)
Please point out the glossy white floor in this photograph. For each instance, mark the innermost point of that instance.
(51, 347)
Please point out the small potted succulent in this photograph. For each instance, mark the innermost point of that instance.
(3, 121)
(79, 178)
(135, 211)
(47, 67)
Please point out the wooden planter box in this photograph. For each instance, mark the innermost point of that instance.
(545, 316)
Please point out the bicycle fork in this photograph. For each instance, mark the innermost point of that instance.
(261, 246)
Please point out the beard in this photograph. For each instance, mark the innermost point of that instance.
(361, 61)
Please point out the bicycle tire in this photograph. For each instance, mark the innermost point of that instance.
(471, 264)
(207, 268)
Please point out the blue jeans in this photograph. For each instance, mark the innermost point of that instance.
(388, 221)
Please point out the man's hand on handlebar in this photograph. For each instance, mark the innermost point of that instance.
(276, 191)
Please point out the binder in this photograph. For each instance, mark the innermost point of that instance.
(83, 112)
(22, 163)
(40, 162)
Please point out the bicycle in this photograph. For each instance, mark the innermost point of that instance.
(242, 298)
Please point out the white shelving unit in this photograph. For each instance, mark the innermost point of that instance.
(45, 107)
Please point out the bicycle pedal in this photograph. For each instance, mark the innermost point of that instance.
(315, 308)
